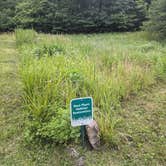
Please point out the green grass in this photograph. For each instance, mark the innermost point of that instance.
(108, 67)
(25, 38)
(124, 73)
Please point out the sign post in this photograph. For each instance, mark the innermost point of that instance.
(83, 135)
(81, 114)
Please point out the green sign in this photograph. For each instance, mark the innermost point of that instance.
(81, 111)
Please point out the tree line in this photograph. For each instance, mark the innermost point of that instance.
(75, 16)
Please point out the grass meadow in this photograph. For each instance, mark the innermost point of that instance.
(111, 68)
(125, 75)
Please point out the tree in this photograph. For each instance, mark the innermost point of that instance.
(157, 18)
(75, 16)
(7, 12)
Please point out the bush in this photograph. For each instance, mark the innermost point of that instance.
(59, 128)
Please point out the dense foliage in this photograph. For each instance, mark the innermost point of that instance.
(110, 67)
(7, 12)
(157, 18)
(73, 15)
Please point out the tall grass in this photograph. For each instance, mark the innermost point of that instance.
(109, 67)
(25, 36)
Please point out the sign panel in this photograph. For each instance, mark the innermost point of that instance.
(81, 111)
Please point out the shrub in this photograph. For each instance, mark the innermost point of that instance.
(59, 128)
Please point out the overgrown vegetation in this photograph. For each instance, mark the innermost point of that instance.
(110, 68)
(140, 133)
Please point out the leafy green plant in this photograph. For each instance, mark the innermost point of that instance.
(59, 128)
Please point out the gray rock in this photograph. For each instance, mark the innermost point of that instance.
(93, 134)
